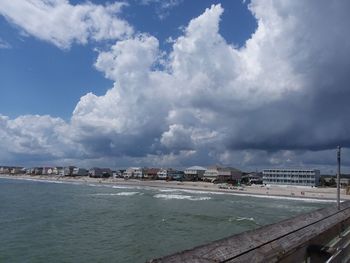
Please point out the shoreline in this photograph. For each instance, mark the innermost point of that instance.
(270, 191)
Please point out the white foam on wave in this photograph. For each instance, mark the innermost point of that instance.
(45, 181)
(190, 191)
(310, 200)
(125, 187)
(182, 197)
(245, 218)
(128, 193)
(118, 194)
(202, 192)
(41, 180)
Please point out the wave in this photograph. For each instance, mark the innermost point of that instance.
(182, 197)
(172, 190)
(310, 200)
(245, 218)
(41, 180)
(45, 181)
(118, 194)
(168, 190)
(190, 191)
(239, 219)
(128, 193)
(126, 187)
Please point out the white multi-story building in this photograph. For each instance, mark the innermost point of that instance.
(133, 172)
(303, 177)
(162, 174)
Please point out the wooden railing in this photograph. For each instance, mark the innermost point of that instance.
(320, 236)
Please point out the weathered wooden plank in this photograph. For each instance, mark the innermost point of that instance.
(283, 237)
(314, 234)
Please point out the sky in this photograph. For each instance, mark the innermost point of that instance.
(175, 83)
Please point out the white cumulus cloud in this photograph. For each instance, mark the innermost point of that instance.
(62, 24)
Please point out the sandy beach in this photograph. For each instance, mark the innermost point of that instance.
(264, 191)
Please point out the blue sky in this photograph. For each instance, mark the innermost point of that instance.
(251, 84)
(44, 79)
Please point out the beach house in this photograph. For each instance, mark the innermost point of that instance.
(151, 173)
(47, 170)
(211, 174)
(229, 174)
(252, 178)
(100, 172)
(194, 173)
(38, 170)
(134, 172)
(17, 170)
(4, 170)
(58, 170)
(80, 172)
(162, 174)
(175, 175)
(222, 174)
(68, 171)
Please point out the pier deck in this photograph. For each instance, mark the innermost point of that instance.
(320, 236)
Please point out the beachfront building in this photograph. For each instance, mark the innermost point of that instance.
(162, 174)
(331, 180)
(17, 170)
(175, 175)
(344, 182)
(100, 172)
(5, 170)
(151, 173)
(139, 173)
(38, 170)
(129, 173)
(211, 173)
(194, 173)
(302, 177)
(80, 172)
(68, 171)
(47, 170)
(30, 170)
(134, 172)
(170, 174)
(222, 174)
(252, 178)
(229, 174)
(119, 173)
(58, 170)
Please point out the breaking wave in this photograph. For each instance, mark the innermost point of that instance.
(172, 190)
(245, 218)
(182, 197)
(118, 194)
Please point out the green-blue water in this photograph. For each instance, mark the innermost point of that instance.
(49, 222)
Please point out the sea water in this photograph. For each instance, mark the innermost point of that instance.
(62, 222)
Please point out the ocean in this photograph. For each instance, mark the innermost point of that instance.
(67, 222)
